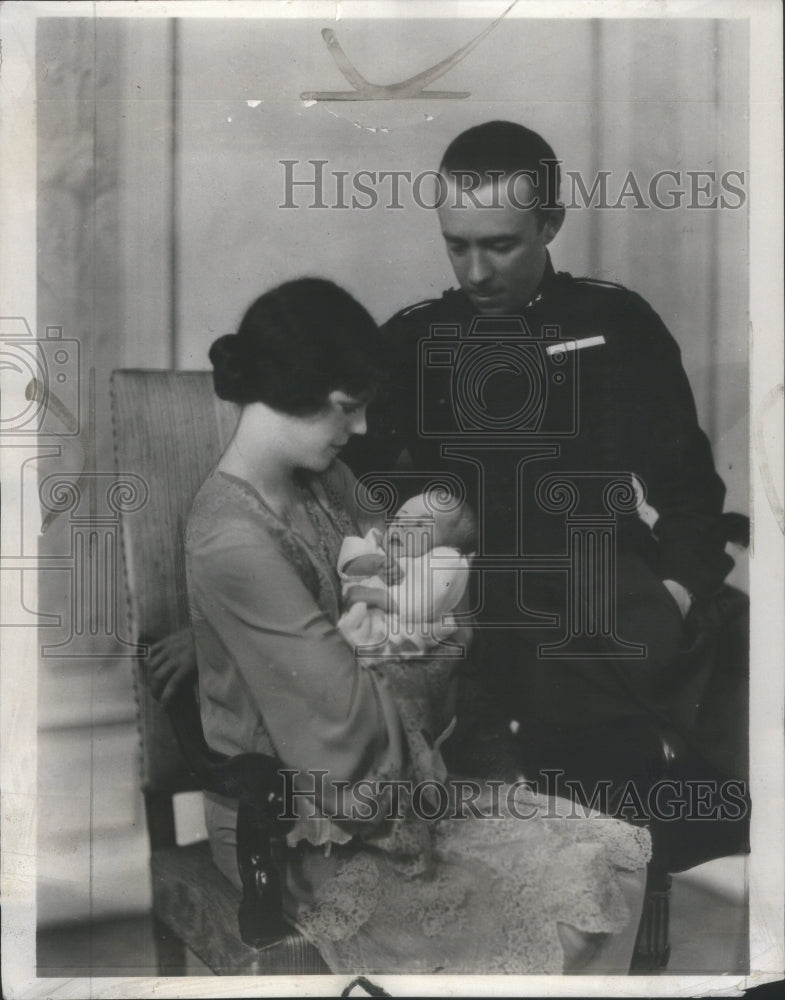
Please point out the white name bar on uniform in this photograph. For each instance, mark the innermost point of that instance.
(574, 345)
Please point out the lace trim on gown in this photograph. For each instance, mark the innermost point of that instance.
(477, 895)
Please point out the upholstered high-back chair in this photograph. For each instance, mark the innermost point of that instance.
(170, 429)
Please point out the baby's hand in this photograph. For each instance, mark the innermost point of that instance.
(393, 573)
(372, 597)
(367, 564)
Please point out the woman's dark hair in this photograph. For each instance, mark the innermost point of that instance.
(296, 344)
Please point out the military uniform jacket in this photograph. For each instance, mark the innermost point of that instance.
(589, 384)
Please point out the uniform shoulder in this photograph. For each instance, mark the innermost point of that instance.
(608, 294)
(416, 309)
(426, 311)
(599, 283)
(594, 287)
(622, 309)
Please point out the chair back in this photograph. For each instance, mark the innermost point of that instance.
(170, 429)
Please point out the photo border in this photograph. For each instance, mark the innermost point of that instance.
(18, 763)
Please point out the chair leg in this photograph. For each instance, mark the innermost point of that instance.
(652, 948)
(170, 952)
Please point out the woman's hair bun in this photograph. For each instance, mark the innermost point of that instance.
(230, 369)
(295, 345)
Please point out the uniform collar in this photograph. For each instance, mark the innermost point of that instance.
(546, 283)
(546, 286)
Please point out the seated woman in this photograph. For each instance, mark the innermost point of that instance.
(439, 876)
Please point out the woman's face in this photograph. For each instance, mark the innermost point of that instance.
(314, 442)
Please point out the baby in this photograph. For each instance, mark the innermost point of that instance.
(400, 586)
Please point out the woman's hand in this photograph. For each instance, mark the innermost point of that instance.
(355, 625)
(171, 662)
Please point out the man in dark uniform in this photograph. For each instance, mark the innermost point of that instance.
(562, 406)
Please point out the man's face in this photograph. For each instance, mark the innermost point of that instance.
(496, 249)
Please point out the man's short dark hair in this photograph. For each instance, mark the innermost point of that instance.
(507, 149)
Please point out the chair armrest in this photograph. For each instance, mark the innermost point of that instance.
(252, 776)
(261, 857)
(255, 780)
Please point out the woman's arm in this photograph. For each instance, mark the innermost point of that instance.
(321, 710)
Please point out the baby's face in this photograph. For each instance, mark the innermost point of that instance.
(415, 529)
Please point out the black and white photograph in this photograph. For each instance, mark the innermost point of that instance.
(392, 467)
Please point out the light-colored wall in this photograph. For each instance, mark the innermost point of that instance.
(159, 187)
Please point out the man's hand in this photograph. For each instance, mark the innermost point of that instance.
(681, 596)
(170, 663)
